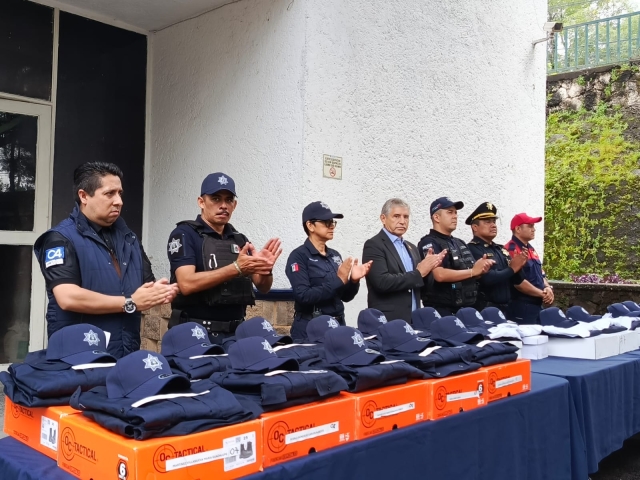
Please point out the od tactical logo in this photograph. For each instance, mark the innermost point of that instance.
(17, 410)
(441, 397)
(167, 452)
(67, 440)
(493, 378)
(367, 416)
(123, 470)
(277, 437)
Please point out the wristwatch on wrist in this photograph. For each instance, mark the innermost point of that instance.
(129, 305)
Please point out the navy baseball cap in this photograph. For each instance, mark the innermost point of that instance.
(261, 327)
(444, 202)
(142, 374)
(188, 340)
(216, 182)
(255, 354)
(399, 335)
(494, 314)
(581, 315)
(370, 320)
(620, 310)
(473, 319)
(318, 211)
(422, 318)
(631, 305)
(317, 327)
(553, 316)
(452, 328)
(347, 346)
(79, 344)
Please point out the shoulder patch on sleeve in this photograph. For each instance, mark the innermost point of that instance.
(175, 246)
(54, 256)
(511, 246)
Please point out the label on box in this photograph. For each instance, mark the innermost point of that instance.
(387, 412)
(49, 433)
(236, 452)
(312, 433)
(508, 381)
(242, 449)
(452, 397)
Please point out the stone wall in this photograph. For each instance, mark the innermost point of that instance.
(156, 320)
(594, 297)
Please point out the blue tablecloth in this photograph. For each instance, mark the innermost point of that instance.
(526, 437)
(529, 436)
(606, 396)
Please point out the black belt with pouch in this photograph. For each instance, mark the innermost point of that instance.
(211, 326)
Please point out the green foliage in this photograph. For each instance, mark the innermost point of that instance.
(592, 183)
(572, 12)
(581, 81)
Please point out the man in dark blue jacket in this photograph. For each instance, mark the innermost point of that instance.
(94, 266)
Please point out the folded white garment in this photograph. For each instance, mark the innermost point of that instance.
(577, 331)
(529, 330)
(504, 332)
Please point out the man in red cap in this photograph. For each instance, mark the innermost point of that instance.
(528, 297)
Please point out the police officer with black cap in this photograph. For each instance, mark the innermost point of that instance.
(494, 289)
(321, 280)
(454, 284)
(214, 265)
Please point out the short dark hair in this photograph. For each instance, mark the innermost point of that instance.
(88, 177)
(306, 229)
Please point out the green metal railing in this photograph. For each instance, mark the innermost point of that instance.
(607, 41)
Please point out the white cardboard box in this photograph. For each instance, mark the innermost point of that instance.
(593, 348)
(535, 339)
(629, 341)
(535, 352)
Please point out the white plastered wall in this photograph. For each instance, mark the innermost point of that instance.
(421, 98)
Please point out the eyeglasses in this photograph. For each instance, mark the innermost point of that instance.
(326, 223)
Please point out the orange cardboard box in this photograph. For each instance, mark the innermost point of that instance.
(37, 427)
(298, 431)
(508, 379)
(385, 409)
(452, 395)
(89, 451)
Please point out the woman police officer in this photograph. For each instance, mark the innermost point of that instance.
(321, 280)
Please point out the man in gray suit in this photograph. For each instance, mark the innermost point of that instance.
(397, 273)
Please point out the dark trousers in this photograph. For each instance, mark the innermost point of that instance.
(523, 312)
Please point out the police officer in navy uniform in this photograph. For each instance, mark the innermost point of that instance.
(321, 280)
(454, 284)
(529, 297)
(494, 289)
(214, 265)
(94, 266)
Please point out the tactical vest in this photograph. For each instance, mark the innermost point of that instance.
(218, 253)
(458, 294)
(99, 275)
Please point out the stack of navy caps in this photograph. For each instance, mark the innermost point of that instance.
(581, 315)
(620, 310)
(79, 344)
(474, 320)
(421, 318)
(261, 327)
(495, 315)
(188, 340)
(555, 317)
(317, 327)
(346, 345)
(144, 374)
(631, 305)
(399, 335)
(254, 354)
(450, 328)
(370, 320)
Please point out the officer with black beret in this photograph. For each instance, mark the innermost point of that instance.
(494, 289)
(454, 284)
(321, 280)
(214, 265)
